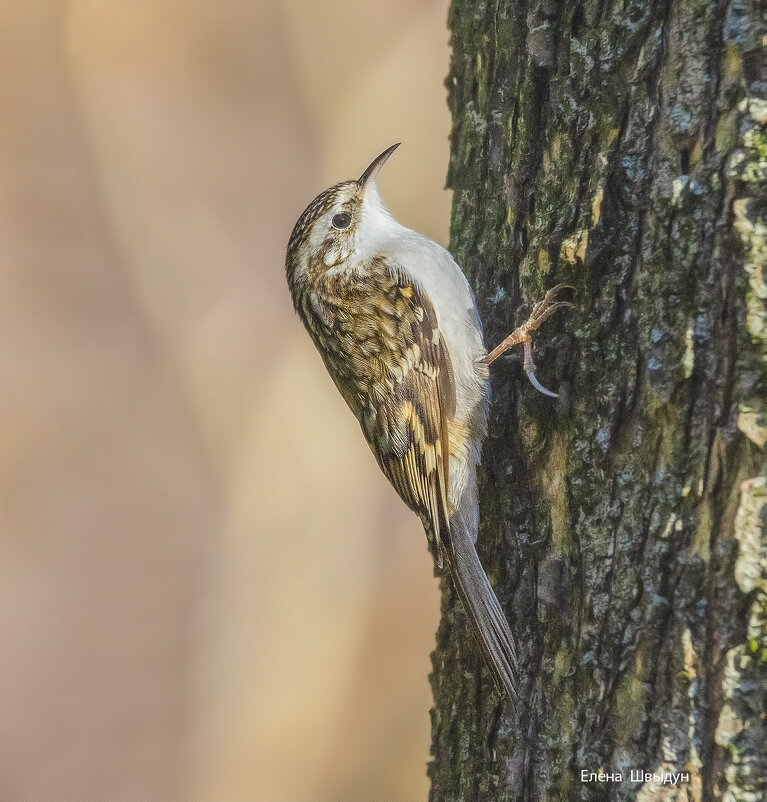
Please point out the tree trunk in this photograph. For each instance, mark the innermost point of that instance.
(620, 148)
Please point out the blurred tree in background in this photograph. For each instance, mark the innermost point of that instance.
(620, 148)
(182, 536)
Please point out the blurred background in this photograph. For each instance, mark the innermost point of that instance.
(207, 590)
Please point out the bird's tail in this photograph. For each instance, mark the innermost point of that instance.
(487, 619)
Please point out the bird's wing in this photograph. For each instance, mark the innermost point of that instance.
(406, 426)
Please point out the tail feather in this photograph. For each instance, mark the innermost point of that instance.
(487, 619)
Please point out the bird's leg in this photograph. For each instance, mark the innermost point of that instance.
(542, 311)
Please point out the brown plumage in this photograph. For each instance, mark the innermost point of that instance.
(379, 339)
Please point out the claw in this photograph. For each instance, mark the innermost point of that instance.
(539, 387)
(529, 368)
(541, 312)
(554, 291)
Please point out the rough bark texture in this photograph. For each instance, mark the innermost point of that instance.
(619, 147)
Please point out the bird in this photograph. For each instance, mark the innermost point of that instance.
(397, 326)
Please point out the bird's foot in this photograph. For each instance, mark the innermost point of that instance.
(542, 311)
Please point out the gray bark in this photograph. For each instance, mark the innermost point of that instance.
(620, 148)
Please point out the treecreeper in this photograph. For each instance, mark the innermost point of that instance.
(397, 326)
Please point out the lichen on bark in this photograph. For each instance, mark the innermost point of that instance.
(622, 149)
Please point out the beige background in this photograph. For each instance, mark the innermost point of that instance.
(206, 589)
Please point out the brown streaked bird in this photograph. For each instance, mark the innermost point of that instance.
(397, 326)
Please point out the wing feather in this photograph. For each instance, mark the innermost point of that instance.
(407, 428)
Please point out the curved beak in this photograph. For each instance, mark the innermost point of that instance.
(376, 165)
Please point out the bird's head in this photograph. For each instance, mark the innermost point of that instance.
(341, 222)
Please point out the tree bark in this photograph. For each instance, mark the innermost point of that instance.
(620, 148)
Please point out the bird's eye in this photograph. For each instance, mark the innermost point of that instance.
(341, 220)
